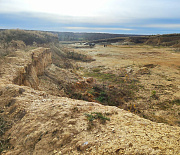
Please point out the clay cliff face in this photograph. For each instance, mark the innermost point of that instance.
(28, 75)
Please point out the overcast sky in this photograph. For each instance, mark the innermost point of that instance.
(111, 16)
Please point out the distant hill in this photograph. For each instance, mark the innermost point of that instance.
(158, 40)
(52, 35)
(43, 37)
(27, 36)
(71, 36)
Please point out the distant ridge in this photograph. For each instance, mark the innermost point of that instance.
(71, 36)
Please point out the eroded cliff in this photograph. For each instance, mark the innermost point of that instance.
(28, 75)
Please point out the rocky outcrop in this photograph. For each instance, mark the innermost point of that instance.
(28, 75)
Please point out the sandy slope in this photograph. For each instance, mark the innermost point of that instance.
(47, 124)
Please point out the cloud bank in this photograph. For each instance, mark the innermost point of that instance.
(134, 16)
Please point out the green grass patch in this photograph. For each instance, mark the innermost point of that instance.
(97, 115)
(154, 95)
(102, 97)
(105, 77)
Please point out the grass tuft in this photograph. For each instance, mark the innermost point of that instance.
(96, 115)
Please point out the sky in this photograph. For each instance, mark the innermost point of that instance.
(105, 16)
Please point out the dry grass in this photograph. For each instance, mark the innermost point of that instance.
(144, 97)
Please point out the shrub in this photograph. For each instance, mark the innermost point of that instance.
(77, 56)
(154, 95)
(96, 115)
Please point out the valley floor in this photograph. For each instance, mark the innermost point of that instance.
(156, 68)
(37, 120)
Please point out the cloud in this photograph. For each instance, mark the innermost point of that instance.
(170, 26)
(14, 6)
(99, 20)
(120, 16)
(97, 28)
(105, 11)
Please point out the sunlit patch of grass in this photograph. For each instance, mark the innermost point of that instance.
(105, 77)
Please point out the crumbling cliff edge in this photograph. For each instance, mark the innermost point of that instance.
(28, 75)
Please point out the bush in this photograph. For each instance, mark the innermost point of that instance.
(154, 95)
(81, 57)
(96, 115)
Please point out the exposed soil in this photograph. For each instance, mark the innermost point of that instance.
(42, 122)
(45, 124)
